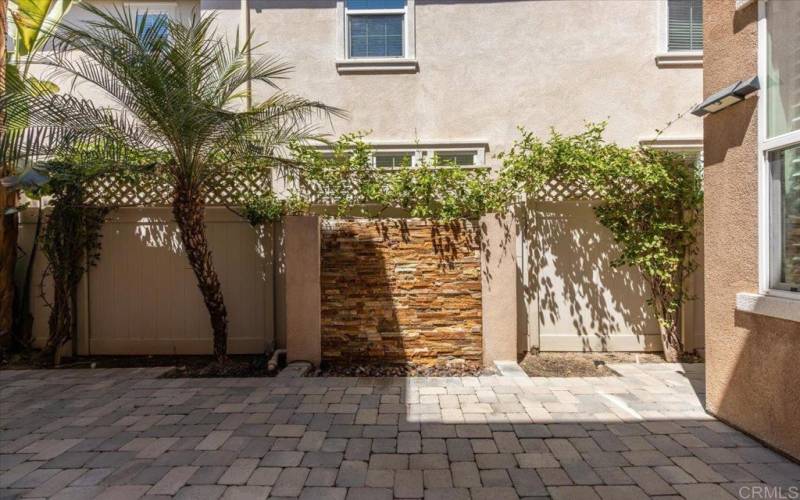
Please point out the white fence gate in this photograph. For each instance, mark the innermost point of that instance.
(573, 298)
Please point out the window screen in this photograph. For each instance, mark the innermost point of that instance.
(685, 24)
(460, 158)
(783, 68)
(376, 36)
(392, 160)
(151, 19)
(785, 217)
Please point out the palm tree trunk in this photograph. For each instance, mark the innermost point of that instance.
(8, 223)
(189, 211)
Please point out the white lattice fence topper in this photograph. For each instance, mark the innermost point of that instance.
(559, 190)
(151, 190)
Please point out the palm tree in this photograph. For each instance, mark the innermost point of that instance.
(176, 88)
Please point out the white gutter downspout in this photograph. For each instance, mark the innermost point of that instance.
(244, 34)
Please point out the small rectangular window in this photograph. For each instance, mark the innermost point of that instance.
(376, 28)
(393, 160)
(151, 20)
(781, 145)
(784, 165)
(783, 68)
(685, 25)
(460, 158)
(376, 36)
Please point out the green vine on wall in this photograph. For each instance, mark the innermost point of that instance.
(345, 180)
(71, 243)
(650, 200)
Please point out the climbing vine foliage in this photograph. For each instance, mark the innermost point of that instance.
(650, 200)
(70, 241)
(344, 181)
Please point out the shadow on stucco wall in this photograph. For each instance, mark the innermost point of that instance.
(752, 380)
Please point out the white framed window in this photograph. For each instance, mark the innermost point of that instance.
(393, 155)
(394, 159)
(460, 157)
(684, 25)
(375, 28)
(470, 155)
(151, 12)
(779, 148)
(376, 36)
(681, 33)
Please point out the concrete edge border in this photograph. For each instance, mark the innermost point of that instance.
(510, 369)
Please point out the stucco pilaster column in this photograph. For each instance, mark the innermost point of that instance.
(499, 287)
(300, 306)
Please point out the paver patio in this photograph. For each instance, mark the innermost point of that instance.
(126, 434)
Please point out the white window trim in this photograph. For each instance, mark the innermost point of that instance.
(767, 305)
(405, 64)
(426, 150)
(673, 59)
(676, 144)
(765, 145)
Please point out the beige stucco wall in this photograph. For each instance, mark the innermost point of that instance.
(751, 365)
(485, 67)
(298, 311)
(501, 340)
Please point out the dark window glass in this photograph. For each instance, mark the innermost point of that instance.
(376, 36)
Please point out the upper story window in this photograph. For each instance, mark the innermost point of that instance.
(376, 36)
(684, 25)
(783, 68)
(376, 28)
(153, 14)
(780, 144)
(151, 20)
(460, 158)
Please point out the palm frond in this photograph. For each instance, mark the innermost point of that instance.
(177, 93)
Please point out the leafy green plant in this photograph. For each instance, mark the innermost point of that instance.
(34, 21)
(652, 204)
(261, 209)
(71, 243)
(346, 179)
(343, 178)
